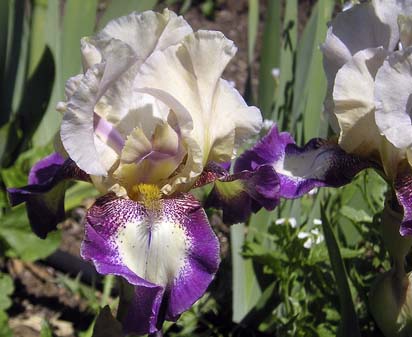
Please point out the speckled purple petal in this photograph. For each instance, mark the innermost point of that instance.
(319, 163)
(169, 253)
(44, 196)
(403, 189)
(242, 193)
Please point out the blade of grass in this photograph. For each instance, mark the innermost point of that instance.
(246, 290)
(63, 36)
(4, 30)
(284, 94)
(269, 58)
(309, 88)
(349, 324)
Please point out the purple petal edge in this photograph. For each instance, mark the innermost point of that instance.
(152, 303)
(317, 164)
(253, 190)
(44, 196)
(403, 189)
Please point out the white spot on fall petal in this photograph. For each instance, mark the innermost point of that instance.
(154, 251)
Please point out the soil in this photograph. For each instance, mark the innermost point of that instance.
(39, 292)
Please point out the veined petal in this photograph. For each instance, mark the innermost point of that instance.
(300, 169)
(393, 89)
(403, 189)
(353, 97)
(44, 196)
(211, 116)
(168, 250)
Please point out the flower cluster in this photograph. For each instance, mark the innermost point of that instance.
(148, 120)
(367, 61)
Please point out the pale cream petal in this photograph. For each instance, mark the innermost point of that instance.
(405, 30)
(187, 79)
(90, 54)
(388, 11)
(77, 128)
(147, 31)
(235, 122)
(165, 140)
(353, 97)
(136, 147)
(393, 90)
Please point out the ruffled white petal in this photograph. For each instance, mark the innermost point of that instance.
(186, 78)
(106, 88)
(353, 97)
(393, 98)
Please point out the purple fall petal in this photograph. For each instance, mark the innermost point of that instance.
(242, 193)
(44, 196)
(300, 169)
(169, 254)
(403, 189)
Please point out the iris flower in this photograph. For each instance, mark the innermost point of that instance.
(149, 112)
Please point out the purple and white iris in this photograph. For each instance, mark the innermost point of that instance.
(149, 120)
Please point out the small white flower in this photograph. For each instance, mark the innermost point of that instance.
(276, 73)
(293, 223)
(267, 124)
(314, 237)
(317, 221)
(280, 221)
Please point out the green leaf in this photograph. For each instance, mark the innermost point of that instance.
(77, 193)
(284, 94)
(310, 83)
(246, 289)
(349, 325)
(16, 232)
(46, 330)
(252, 28)
(5, 330)
(269, 58)
(63, 37)
(36, 96)
(117, 8)
(6, 289)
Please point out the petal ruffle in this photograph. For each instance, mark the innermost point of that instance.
(44, 196)
(300, 169)
(354, 105)
(212, 116)
(393, 89)
(92, 129)
(169, 253)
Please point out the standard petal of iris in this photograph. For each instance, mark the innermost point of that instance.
(212, 117)
(104, 97)
(44, 196)
(366, 25)
(354, 104)
(300, 169)
(168, 251)
(392, 94)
